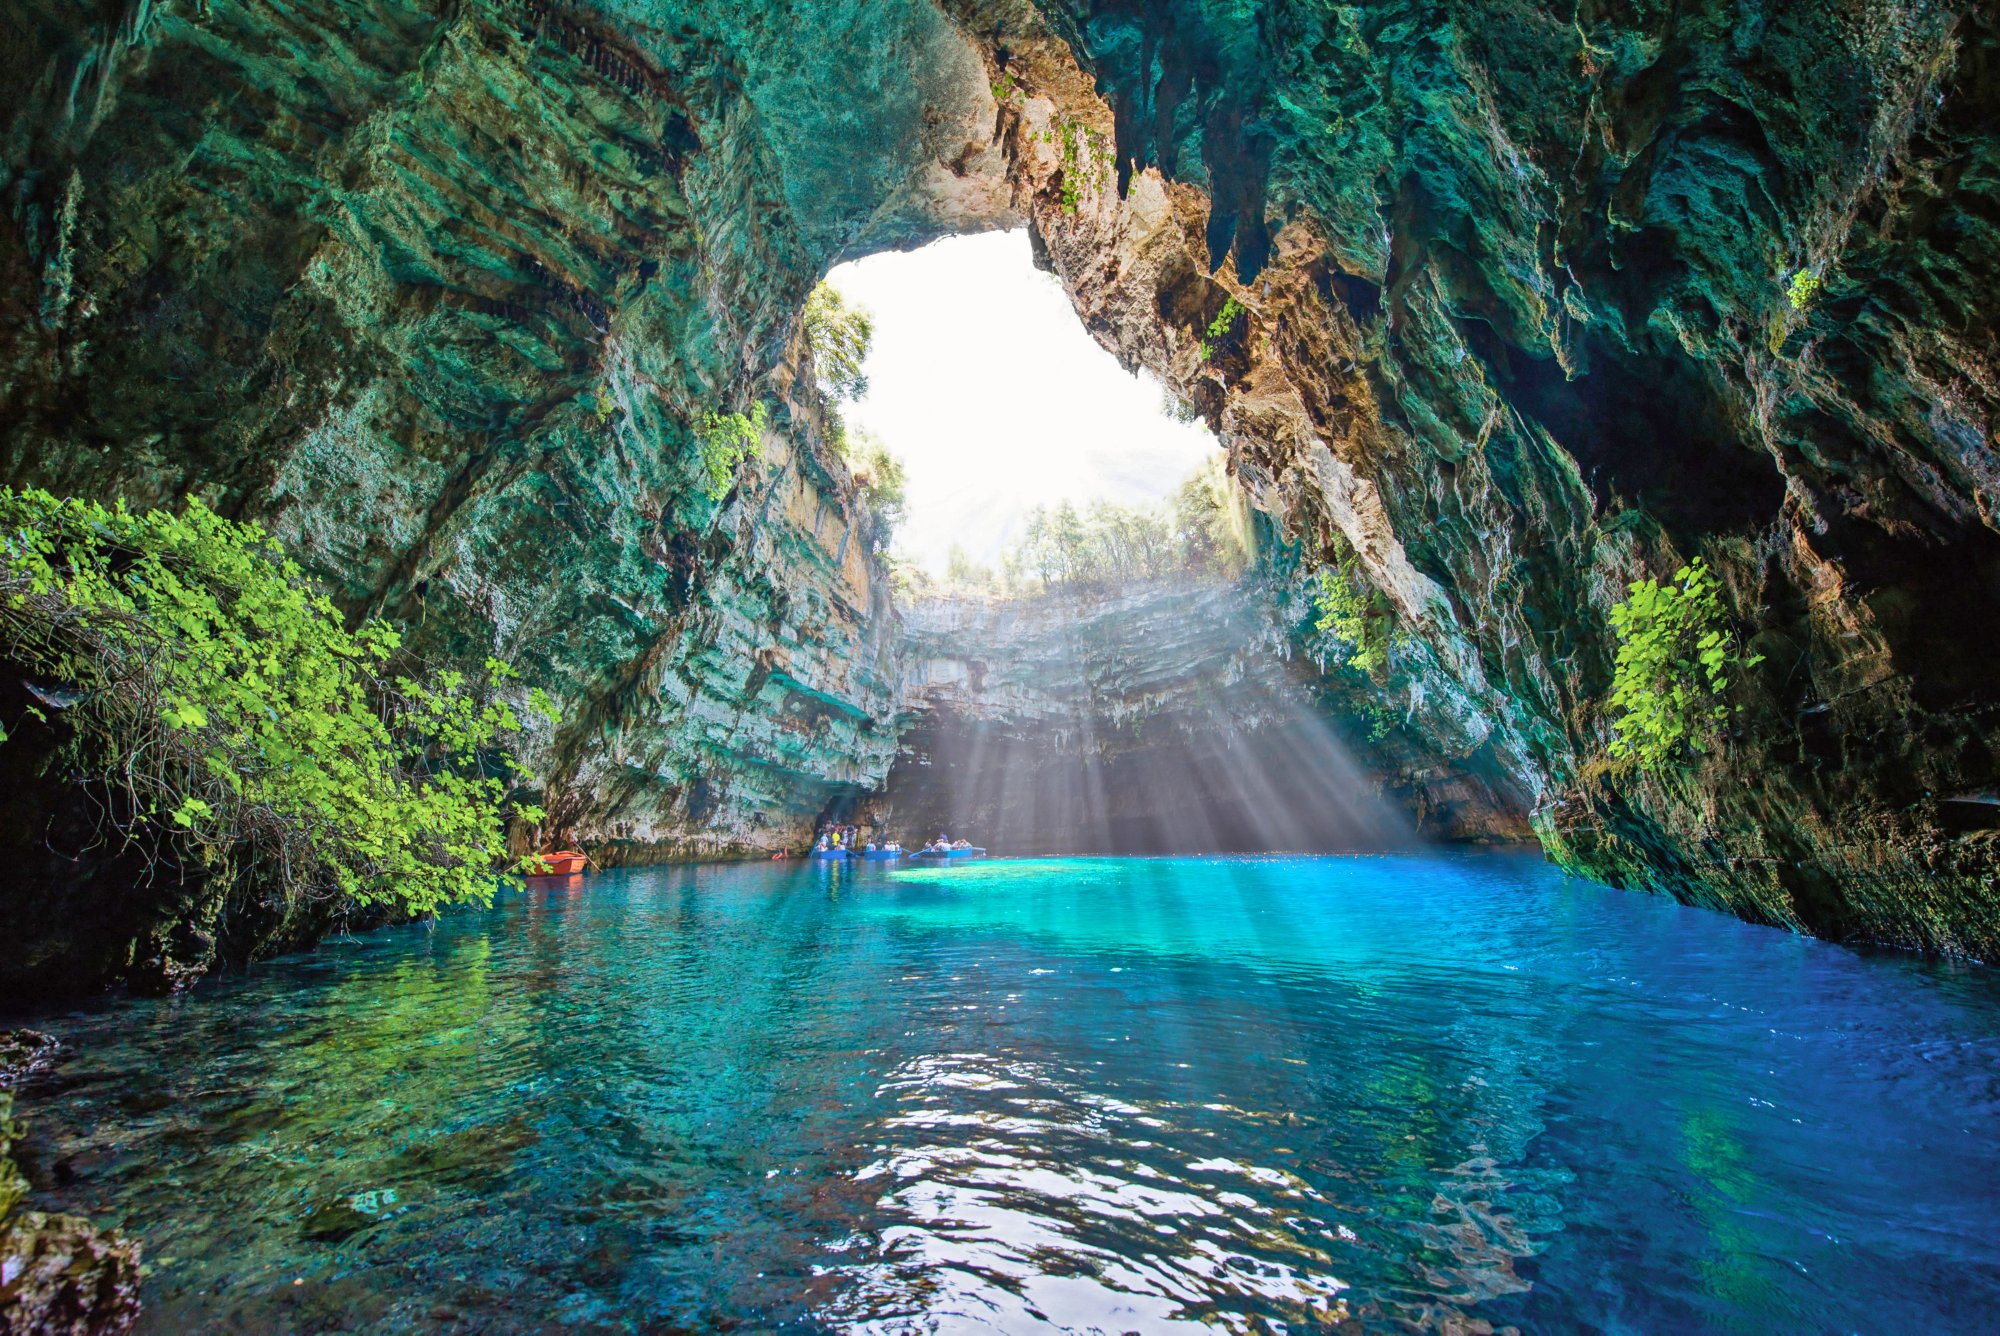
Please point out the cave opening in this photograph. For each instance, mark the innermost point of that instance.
(1096, 661)
(1028, 459)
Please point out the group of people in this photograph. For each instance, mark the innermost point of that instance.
(849, 837)
(835, 837)
(831, 838)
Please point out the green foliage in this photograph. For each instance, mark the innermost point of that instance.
(725, 440)
(1106, 546)
(1212, 521)
(604, 405)
(1803, 290)
(13, 1183)
(882, 479)
(222, 706)
(1078, 145)
(840, 337)
(1676, 657)
(1219, 328)
(1351, 613)
(962, 572)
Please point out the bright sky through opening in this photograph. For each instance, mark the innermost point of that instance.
(984, 382)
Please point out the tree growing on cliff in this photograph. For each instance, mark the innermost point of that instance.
(839, 336)
(1106, 546)
(1353, 615)
(1676, 658)
(881, 477)
(225, 718)
(725, 440)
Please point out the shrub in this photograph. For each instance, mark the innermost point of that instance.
(1078, 147)
(1218, 328)
(962, 572)
(882, 477)
(1803, 290)
(1676, 656)
(725, 440)
(222, 711)
(1347, 613)
(1211, 521)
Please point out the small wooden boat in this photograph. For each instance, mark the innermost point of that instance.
(829, 853)
(882, 855)
(561, 863)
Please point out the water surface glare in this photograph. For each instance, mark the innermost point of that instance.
(1087, 1095)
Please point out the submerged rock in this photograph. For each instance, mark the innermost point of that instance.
(26, 1053)
(59, 1274)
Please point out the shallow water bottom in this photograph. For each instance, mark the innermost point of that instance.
(1085, 1095)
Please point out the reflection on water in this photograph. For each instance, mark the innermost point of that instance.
(1081, 1095)
(1033, 1204)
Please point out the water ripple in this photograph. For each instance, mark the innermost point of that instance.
(1458, 1094)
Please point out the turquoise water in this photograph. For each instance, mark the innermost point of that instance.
(1093, 1095)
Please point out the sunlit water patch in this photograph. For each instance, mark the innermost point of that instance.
(1084, 1095)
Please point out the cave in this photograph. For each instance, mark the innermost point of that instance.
(1542, 351)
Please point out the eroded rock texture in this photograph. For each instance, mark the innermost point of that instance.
(1168, 719)
(59, 1274)
(1518, 331)
(439, 291)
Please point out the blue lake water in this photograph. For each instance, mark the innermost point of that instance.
(1090, 1095)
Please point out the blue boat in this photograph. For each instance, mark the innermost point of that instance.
(829, 853)
(882, 855)
(946, 855)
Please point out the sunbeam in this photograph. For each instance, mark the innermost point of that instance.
(1073, 724)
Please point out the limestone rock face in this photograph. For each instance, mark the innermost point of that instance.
(1172, 718)
(59, 1274)
(438, 294)
(62, 1276)
(1498, 299)
(1521, 321)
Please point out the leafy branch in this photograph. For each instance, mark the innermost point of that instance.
(725, 440)
(1218, 328)
(221, 709)
(1676, 658)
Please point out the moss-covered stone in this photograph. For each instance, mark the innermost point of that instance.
(59, 1274)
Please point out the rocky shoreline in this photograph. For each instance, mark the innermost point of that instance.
(60, 1275)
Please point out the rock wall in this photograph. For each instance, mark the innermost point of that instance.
(1173, 718)
(438, 294)
(59, 1274)
(1518, 329)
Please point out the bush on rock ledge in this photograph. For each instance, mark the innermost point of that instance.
(224, 719)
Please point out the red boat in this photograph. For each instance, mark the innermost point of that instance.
(561, 863)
